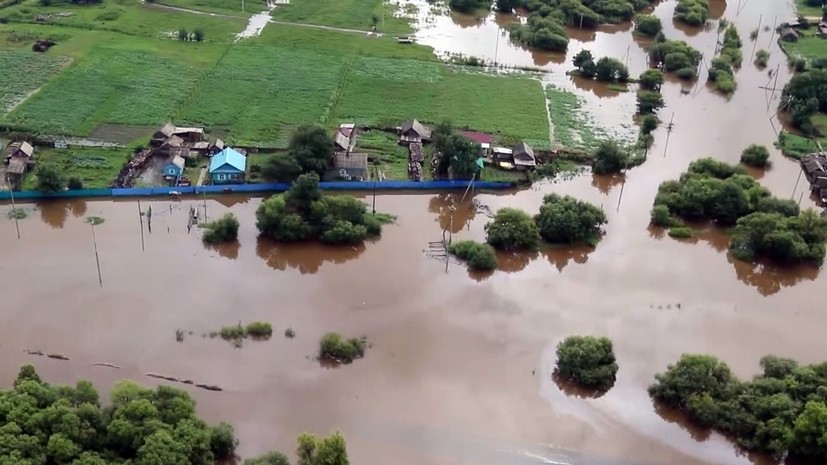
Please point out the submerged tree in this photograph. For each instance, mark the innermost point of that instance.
(587, 361)
(512, 229)
(224, 229)
(568, 220)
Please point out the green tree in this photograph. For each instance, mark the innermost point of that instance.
(584, 62)
(507, 6)
(270, 458)
(693, 375)
(651, 79)
(649, 102)
(222, 441)
(648, 123)
(322, 451)
(224, 229)
(755, 155)
(281, 168)
(334, 346)
(568, 220)
(74, 183)
(61, 450)
(610, 70)
(459, 155)
(512, 229)
(198, 35)
(648, 25)
(49, 179)
(805, 94)
(478, 256)
(810, 432)
(587, 361)
(161, 448)
(312, 148)
(609, 157)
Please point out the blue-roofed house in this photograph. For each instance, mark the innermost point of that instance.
(228, 167)
(173, 169)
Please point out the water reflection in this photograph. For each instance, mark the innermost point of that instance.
(572, 390)
(466, 21)
(560, 257)
(600, 89)
(53, 212)
(306, 257)
(511, 262)
(452, 215)
(226, 250)
(605, 183)
(768, 279)
(671, 415)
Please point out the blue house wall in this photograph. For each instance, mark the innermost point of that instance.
(227, 174)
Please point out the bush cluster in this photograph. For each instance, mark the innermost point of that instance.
(720, 72)
(806, 95)
(605, 69)
(302, 213)
(761, 58)
(648, 25)
(45, 424)
(587, 361)
(562, 220)
(676, 56)
(224, 229)
(765, 226)
(478, 256)
(335, 347)
(755, 155)
(256, 329)
(782, 411)
(469, 6)
(692, 12)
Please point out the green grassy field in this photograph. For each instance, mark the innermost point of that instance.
(355, 14)
(386, 92)
(389, 157)
(260, 103)
(23, 72)
(107, 86)
(806, 10)
(97, 168)
(303, 38)
(224, 7)
(128, 17)
(795, 146)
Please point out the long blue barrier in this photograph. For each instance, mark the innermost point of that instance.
(251, 188)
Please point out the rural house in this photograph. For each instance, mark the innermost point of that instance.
(169, 130)
(414, 132)
(173, 170)
(814, 166)
(208, 148)
(481, 138)
(228, 167)
(161, 135)
(351, 166)
(788, 34)
(523, 156)
(343, 139)
(19, 158)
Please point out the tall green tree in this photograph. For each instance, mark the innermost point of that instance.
(49, 179)
(512, 229)
(312, 148)
(587, 361)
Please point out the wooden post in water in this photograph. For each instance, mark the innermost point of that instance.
(141, 219)
(97, 258)
(755, 42)
(205, 205)
(792, 196)
(13, 205)
(668, 133)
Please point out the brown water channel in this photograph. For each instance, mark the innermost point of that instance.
(459, 368)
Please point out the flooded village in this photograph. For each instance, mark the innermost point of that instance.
(459, 365)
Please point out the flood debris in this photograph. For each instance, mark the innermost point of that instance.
(108, 365)
(58, 356)
(40, 353)
(174, 379)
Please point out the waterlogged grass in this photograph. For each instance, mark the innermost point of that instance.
(355, 14)
(128, 17)
(385, 92)
(23, 72)
(96, 168)
(260, 93)
(232, 7)
(108, 86)
(341, 43)
(573, 128)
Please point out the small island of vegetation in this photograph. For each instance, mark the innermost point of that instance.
(478, 256)
(587, 361)
(224, 229)
(781, 412)
(692, 12)
(648, 25)
(606, 69)
(721, 71)
(676, 56)
(334, 347)
(765, 226)
(303, 213)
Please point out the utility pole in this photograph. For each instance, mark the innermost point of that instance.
(375, 175)
(141, 220)
(668, 133)
(496, 48)
(13, 206)
(97, 258)
(755, 42)
(769, 44)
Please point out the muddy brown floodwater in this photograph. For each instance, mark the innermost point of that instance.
(460, 364)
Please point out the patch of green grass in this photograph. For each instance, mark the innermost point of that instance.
(490, 173)
(341, 43)
(386, 92)
(229, 333)
(804, 9)
(808, 46)
(257, 91)
(355, 14)
(129, 17)
(107, 86)
(259, 330)
(16, 214)
(388, 156)
(23, 72)
(680, 232)
(96, 168)
(225, 7)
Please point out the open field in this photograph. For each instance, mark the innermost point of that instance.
(233, 7)
(97, 168)
(804, 9)
(258, 102)
(24, 72)
(795, 146)
(128, 17)
(355, 14)
(107, 86)
(341, 43)
(386, 92)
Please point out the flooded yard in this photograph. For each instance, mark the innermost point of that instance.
(458, 371)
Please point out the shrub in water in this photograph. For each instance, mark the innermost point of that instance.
(512, 229)
(232, 332)
(680, 232)
(587, 361)
(755, 155)
(224, 229)
(335, 347)
(478, 256)
(260, 329)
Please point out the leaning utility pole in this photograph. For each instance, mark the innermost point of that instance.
(13, 206)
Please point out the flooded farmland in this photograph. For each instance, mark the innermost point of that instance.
(458, 371)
